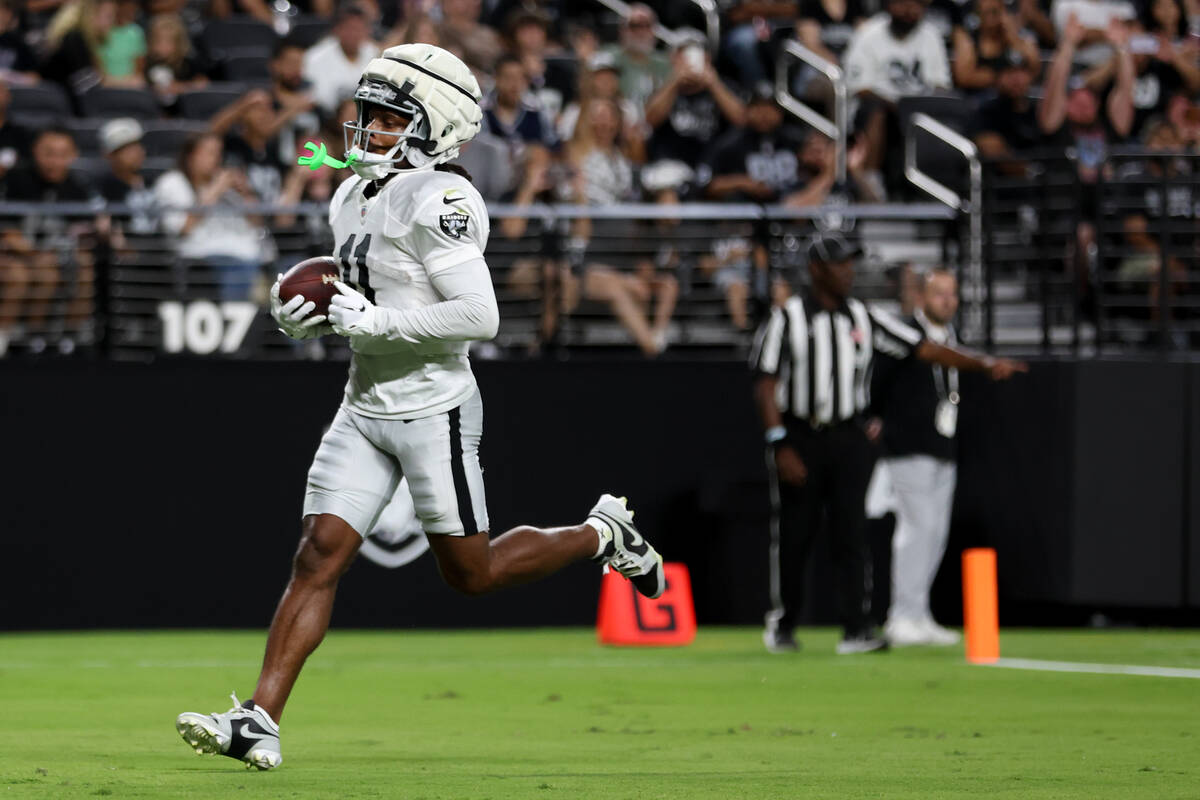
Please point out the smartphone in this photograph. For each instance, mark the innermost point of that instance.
(1143, 44)
(693, 57)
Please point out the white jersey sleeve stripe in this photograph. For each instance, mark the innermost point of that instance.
(769, 342)
(891, 335)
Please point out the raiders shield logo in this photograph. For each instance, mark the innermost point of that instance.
(453, 225)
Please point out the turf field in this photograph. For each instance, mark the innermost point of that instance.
(549, 714)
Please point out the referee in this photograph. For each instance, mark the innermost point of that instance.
(813, 359)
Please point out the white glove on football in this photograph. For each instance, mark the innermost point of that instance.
(351, 313)
(293, 317)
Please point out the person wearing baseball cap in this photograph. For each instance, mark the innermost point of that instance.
(812, 358)
(124, 184)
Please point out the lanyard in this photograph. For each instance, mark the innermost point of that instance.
(940, 383)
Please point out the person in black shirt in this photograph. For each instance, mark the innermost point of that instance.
(1007, 123)
(17, 60)
(981, 53)
(825, 26)
(74, 39)
(121, 142)
(51, 253)
(14, 140)
(552, 80)
(690, 110)
(1164, 63)
(292, 99)
(1069, 114)
(757, 163)
(252, 146)
(172, 65)
(918, 404)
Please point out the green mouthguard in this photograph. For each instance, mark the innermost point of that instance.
(320, 158)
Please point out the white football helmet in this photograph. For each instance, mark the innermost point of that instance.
(430, 86)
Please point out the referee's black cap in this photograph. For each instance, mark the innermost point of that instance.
(831, 248)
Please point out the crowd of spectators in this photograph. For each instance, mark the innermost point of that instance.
(580, 107)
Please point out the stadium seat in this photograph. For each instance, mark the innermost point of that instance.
(166, 137)
(108, 102)
(92, 168)
(224, 35)
(307, 30)
(248, 67)
(155, 167)
(46, 100)
(87, 134)
(204, 103)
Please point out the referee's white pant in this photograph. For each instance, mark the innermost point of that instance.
(924, 492)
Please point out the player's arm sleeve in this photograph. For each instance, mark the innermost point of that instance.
(892, 336)
(468, 313)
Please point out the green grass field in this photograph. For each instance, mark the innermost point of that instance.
(549, 714)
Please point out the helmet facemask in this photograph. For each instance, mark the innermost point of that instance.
(411, 144)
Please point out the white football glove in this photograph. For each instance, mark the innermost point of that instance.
(293, 317)
(350, 313)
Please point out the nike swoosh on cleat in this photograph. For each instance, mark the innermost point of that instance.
(451, 200)
(632, 537)
(249, 734)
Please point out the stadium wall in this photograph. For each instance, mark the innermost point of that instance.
(168, 495)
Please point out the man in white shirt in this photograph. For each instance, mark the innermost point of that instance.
(333, 65)
(893, 55)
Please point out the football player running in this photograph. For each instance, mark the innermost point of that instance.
(409, 236)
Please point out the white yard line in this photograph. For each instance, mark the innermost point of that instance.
(1100, 669)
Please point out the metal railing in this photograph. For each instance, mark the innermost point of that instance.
(621, 9)
(712, 22)
(835, 129)
(554, 274)
(973, 288)
(1094, 261)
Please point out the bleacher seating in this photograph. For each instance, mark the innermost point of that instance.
(202, 104)
(104, 101)
(222, 36)
(247, 67)
(164, 138)
(35, 106)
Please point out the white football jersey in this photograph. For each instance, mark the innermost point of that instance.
(388, 246)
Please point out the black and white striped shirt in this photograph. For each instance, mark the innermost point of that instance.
(823, 358)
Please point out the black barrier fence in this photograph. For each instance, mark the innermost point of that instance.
(169, 494)
(1099, 259)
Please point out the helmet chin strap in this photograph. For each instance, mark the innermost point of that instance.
(374, 167)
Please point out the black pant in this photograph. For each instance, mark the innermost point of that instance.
(839, 460)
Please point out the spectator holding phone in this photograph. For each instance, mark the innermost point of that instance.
(690, 110)
(1164, 62)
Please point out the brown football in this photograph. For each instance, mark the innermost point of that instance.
(312, 278)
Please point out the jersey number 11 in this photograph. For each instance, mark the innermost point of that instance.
(359, 255)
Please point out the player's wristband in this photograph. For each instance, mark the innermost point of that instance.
(775, 434)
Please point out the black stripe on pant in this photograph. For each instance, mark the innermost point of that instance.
(466, 512)
(839, 462)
